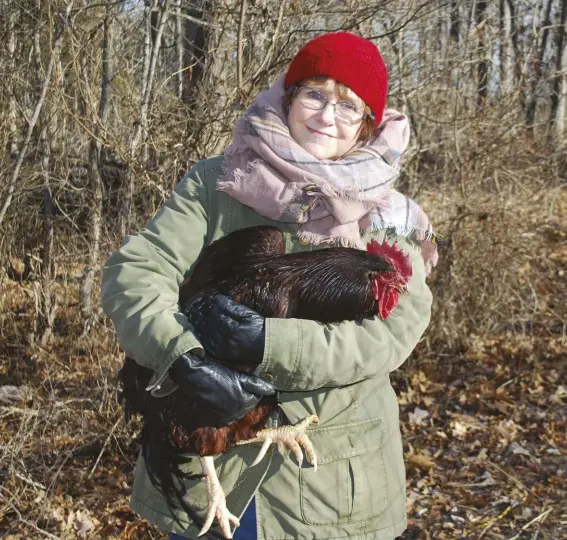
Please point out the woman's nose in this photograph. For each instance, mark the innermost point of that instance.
(327, 114)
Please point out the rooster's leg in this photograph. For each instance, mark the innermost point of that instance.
(217, 501)
(288, 438)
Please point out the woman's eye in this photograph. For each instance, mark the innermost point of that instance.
(313, 94)
(347, 106)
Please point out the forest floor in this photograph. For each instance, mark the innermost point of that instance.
(486, 446)
(484, 429)
(485, 442)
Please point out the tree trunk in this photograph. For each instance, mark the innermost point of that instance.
(541, 44)
(48, 303)
(195, 47)
(559, 94)
(482, 66)
(454, 22)
(179, 48)
(55, 51)
(12, 115)
(141, 131)
(397, 43)
(240, 52)
(150, 5)
(95, 167)
(46, 298)
(507, 49)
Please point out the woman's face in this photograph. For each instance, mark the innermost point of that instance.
(319, 132)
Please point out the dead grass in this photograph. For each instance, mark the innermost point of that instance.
(66, 458)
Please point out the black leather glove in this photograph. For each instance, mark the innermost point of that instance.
(224, 395)
(228, 331)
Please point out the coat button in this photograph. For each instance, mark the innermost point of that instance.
(268, 377)
(303, 242)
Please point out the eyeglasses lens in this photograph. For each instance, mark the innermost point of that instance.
(345, 111)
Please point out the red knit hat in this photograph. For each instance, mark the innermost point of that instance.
(352, 60)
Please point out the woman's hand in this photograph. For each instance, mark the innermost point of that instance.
(224, 395)
(228, 331)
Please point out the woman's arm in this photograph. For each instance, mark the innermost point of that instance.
(140, 283)
(302, 355)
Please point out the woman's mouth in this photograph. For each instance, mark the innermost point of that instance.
(316, 132)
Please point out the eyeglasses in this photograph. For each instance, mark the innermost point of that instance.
(345, 111)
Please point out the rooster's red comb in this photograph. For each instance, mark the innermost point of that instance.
(392, 254)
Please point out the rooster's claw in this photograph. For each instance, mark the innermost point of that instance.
(217, 501)
(288, 438)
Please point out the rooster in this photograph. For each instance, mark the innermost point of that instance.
(249, 265)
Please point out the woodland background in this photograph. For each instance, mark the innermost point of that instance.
(105, 105)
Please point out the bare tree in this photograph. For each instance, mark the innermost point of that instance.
(455, 23)
(559, 93)
(46, 300)
(540, 45)
(133, 109)
(179, 35)
(12, 115)
(398, 44)
(195, 48)
(47, 304)
(482, 65)
(55, 51)
(240, 50)
(149, 17)
(95, 165)
(140, 131)
(508, 47)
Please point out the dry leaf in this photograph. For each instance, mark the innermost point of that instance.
(418, 416)
(420, 461)
(83, 524)
(10, 395)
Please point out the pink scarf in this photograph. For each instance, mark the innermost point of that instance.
(330, 201)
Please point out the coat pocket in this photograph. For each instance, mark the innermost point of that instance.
(350, 483)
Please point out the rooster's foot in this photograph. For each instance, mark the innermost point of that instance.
(288, 438)
(217, 501)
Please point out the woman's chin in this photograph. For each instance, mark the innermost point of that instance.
(319, 151)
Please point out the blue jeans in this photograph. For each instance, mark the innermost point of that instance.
(246, 531)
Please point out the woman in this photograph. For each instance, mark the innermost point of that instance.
(316, 155)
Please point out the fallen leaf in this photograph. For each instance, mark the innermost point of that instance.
(515, 448)
(418, 416)
(10, 395)
(420, 461)
(83, 524)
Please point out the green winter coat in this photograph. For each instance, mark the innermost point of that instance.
(340, 372)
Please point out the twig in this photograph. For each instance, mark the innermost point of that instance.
(55, 51)
(201, 22)
(511, 506)
(512, 477)
(487, 528)
(104, 446)
(26, 522)
(23, 478)
(5, 411)
(501, 516)
(537, 519)
(239, 59)
(272, 48)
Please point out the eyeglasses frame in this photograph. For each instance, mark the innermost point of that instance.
(298, 88)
